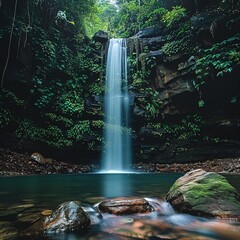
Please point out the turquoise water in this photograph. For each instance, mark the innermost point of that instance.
(51, 190)
(47, 192)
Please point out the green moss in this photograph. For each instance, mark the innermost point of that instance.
(209, 189)
(208, 194)
(206, 189)
(174, 187)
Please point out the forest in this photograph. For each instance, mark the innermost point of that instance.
(119, 119)
(183, 75)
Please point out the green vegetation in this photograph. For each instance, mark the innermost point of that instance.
(48, 104)
(101, 18)
(188, 128)
(142, 14)
(173, 16)
(52, 71)
(150, 103)
(180, 39)
(218, 61)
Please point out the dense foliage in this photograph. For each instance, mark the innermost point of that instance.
(50, 67)
(140, 14)
(48, 103)
(218, 61)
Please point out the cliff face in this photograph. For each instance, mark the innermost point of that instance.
(197, 86)
(183, 74)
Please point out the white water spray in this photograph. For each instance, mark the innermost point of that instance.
(117, 135)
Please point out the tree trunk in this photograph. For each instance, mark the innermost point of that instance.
(9, 44)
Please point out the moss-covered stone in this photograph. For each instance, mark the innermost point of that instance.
(204, 193)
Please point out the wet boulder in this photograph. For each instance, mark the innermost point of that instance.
(122, 206)
(205, 194)
(69, 217)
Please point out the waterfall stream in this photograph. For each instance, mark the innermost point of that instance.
(117, 134)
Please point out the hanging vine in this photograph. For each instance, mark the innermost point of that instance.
(9, 44)
(18, 45)
(27, 29)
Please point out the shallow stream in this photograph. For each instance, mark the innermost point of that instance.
(20, 195)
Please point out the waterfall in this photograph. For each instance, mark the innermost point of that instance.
(117, 134)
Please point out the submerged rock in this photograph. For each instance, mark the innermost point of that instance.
(27, 218)
(122, 206)
(204, 194)
(46, 212)
(11, 213)
(69, 217)
(7, 231)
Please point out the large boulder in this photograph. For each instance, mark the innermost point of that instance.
(150, 32)
(204, 19)
(100, 36)
(205, 194)
(69, 217)
(153, 43)
(122, 206)
(157, 54)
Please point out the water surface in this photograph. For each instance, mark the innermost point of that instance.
(47, 192)
(51, 190)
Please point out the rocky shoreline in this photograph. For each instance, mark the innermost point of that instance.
(226, 165)
(17, 164)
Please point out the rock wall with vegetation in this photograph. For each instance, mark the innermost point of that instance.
(185, 81)
(183, 72)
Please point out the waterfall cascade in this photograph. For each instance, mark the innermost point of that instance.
(117, 134)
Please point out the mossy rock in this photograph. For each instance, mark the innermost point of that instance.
(205, 194)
